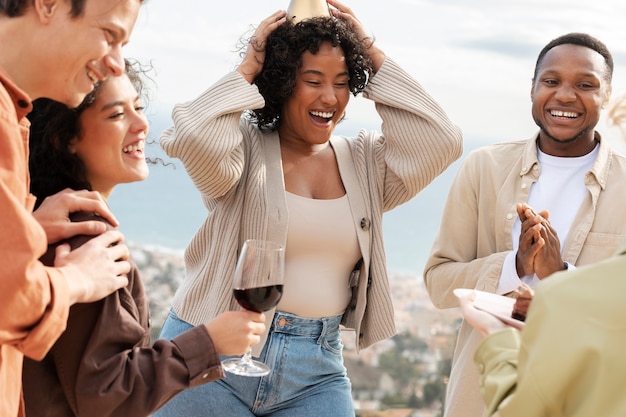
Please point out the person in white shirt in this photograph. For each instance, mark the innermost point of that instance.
(520, 211)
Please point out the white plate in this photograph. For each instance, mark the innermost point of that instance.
(494, 304)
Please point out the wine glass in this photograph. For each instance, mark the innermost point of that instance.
(257, 286)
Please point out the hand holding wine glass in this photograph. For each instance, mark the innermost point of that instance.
(233, 332)
(257, 286)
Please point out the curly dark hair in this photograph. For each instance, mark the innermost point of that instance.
(283, 59)
(54, 126)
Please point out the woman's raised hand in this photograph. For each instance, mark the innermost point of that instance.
(252, 63)
(341, 11)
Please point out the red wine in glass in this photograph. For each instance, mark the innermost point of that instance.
(257, 286)
(258, 299)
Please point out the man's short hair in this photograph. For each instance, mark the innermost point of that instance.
(581, 39)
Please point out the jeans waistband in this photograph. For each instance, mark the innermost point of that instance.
(304, 326)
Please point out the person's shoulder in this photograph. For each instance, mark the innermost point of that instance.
(502, 146)
(613, 161)
(74, 241)
(83, 216)
(497, 151)
(618, 158)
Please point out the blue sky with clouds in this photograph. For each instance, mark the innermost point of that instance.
(475, 57)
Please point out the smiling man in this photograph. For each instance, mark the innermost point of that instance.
(520, 211)
(56, 49)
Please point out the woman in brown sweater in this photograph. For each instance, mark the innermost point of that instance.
(103, 364)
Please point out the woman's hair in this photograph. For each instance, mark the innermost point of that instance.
(54, 126)
(283, 59)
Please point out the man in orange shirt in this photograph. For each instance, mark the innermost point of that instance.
(56, 49)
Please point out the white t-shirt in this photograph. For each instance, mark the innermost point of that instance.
(560, 189)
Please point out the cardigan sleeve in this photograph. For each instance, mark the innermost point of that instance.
(206, 134)
(418, 140)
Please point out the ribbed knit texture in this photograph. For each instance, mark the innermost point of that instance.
(238, 171)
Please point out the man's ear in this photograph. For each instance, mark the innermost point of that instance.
(46, 9)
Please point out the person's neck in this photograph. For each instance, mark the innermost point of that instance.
(300, 147)
(104, 192)
(16, 59)
(571, 148)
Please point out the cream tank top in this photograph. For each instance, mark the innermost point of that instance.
(320, 253)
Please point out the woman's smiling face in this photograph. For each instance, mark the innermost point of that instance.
(319, 99)
(112, 136)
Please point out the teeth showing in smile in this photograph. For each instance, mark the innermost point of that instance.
(323, 114)
(139, 146)
(559, 113)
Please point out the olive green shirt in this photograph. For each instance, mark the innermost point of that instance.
(569, 358)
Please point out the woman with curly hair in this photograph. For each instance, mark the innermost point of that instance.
(259, 145)
(103, 364)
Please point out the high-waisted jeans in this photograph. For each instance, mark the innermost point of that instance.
(308, 378)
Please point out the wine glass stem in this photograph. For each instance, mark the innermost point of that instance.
(246, 359)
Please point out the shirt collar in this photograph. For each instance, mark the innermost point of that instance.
(21, 100)
(601, 166)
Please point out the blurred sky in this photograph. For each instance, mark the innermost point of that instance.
(476, 57)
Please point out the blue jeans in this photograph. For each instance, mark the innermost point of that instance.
(308, 378)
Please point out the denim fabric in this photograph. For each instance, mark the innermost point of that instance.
(308, 378)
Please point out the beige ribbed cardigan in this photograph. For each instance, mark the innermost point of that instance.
(238, 171)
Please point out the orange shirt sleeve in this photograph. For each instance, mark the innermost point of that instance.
(34, 300)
